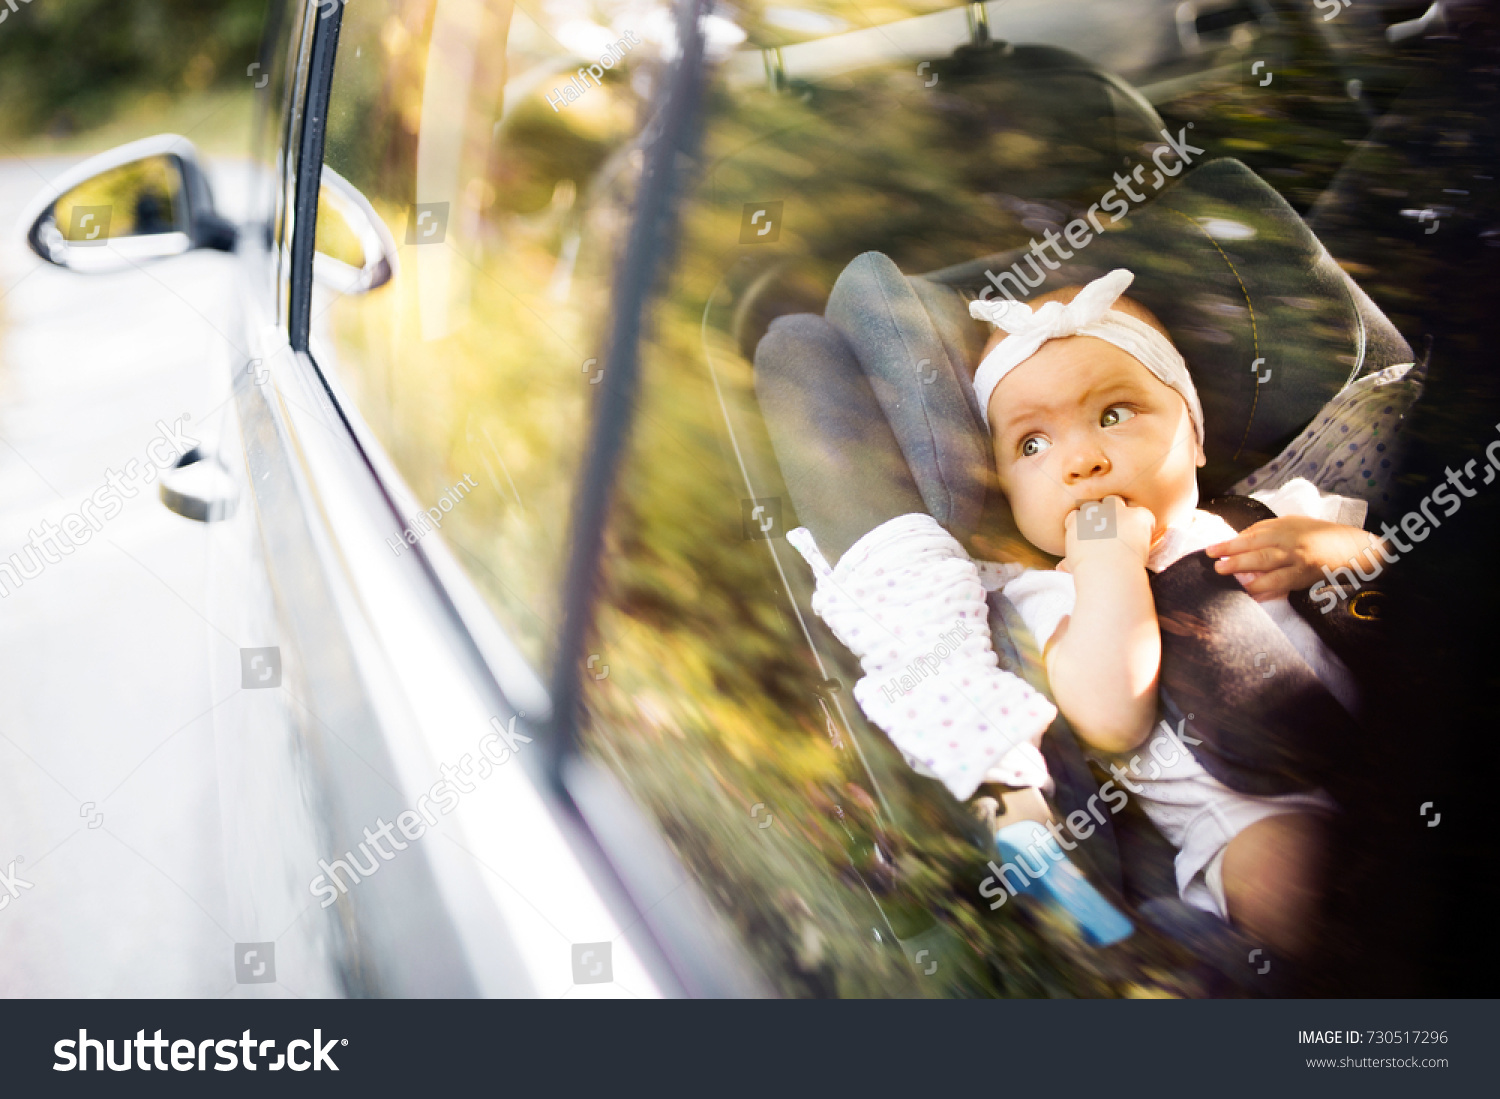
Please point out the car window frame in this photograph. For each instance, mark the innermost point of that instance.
(309, 167)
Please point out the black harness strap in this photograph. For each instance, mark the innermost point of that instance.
(1263, 721)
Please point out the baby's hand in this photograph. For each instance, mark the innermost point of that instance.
(1287, 554)
(1092, 531)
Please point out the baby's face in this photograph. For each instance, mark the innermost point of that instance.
(1081, 420)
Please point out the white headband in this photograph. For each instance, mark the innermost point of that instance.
(1088, 314)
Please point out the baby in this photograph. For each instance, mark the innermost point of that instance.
(1086, 400)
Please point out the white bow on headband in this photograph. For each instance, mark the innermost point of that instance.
(1088, 314)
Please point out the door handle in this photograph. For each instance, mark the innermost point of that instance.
(199, 487)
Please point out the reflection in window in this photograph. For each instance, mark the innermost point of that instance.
(727, 706)
(477, 361)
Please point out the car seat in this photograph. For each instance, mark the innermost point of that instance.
(991, 107)
(870, 411)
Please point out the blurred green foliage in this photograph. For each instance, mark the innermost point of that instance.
(68, 65)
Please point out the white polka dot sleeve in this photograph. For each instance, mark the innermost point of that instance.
(907, 600)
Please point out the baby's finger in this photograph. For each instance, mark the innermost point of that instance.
(1258, 560)
(1270, 585)
(1256, 536)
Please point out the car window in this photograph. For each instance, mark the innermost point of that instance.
(505, 176)
(716, 692)
(502, 146)
(935, 137)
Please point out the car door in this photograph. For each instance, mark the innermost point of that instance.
(417, 705)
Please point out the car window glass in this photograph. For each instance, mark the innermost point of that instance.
(505, 177)
(935, 137)
(934, 134)
(727, 705)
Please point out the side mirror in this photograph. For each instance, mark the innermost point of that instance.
(355, 251)
(145, 200)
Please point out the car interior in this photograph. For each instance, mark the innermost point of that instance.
(888, 176)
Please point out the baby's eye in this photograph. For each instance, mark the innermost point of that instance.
(1115, 415)
(1033, 445)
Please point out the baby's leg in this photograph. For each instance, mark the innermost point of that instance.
(1273, 873)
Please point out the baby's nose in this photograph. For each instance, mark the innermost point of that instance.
(1085, 464)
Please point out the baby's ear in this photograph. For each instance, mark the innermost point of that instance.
(1202, 458)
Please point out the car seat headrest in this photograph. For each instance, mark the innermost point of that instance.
(916, 344)
(991, 112)
(1271, 328)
